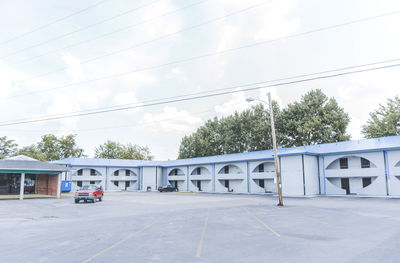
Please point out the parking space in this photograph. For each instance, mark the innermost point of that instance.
(174, 227)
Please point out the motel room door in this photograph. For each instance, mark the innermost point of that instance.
(346, 185)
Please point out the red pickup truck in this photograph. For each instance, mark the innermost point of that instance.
(89, 192)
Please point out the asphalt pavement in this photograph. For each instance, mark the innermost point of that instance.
(186, 227)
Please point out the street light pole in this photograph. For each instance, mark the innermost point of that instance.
(278, 177)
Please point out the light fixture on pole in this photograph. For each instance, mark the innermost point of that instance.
(278, 177)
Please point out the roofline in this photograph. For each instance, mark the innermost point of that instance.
(240, 157)
(31, 171)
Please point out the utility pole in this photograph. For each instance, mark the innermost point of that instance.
(271, 112)
(278, 177)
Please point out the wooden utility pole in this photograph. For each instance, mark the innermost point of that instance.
(278, 177)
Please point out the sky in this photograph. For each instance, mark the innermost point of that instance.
(58, 57)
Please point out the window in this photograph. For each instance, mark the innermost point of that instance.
(116, 183)
(198, 170)
(92, 172)
(261, 168)
(175, 171)
(80, 172)
(79, 183)
(365, 163)
(116, 173)
(127, 173)
(366, 181)
(127, 184)
(92, 182)
(226, 169)
(344, 163)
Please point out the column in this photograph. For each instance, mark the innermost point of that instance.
(59, 186)
(21, 187)
(187, 178)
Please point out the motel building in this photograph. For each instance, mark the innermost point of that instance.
(23, 177)
(369, 167)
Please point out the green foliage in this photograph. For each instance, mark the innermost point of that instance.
(32, 152)
(314, 119)
(52, 148)
(115, 150)
(7, 147)
(385, 121)
(249, 130)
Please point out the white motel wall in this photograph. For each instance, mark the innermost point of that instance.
(368, 167)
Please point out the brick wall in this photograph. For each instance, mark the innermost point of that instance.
(52, 185)
(46, 184)
(42, 184)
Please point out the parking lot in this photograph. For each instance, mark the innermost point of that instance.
(183, 227)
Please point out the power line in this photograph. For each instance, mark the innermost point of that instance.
(106, 34)
(51, 23)
(145, 123)
(143, 43)
(83, 28)
(236, 86)
(197, 97)
(198, 56)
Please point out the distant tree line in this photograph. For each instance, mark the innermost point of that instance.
(51, 148)
(314, 119)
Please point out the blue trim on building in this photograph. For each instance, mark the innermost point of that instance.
(323, 172)
(319, 176)
(347, 147)
(304, 174)
(107, 175)
(213, 177)
(248, 177)
(387, 174)
(187, 179)
(139, 179)
(228, 161)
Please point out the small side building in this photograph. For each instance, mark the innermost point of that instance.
(24, 176)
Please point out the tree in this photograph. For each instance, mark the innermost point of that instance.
(7, 147)
(315, 119)
(116, 150)
(385, 121)
(249, 130)
(32, 152)
(52, 148)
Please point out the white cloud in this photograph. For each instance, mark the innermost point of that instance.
(75, 69)
(7, 83)
(158, 26)
(177, 74)
(238, 102)
(177, 71)
(364, 92)
(127, 97)
(274, 95)
(172, 120)
(275, 22)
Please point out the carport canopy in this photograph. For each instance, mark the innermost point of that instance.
(22, 173)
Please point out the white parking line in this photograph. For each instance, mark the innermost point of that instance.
(262, 223)
(121, 241)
